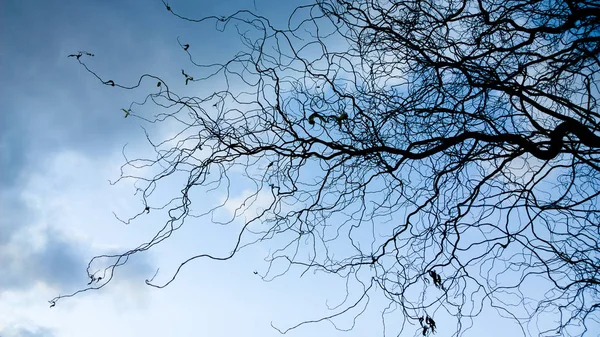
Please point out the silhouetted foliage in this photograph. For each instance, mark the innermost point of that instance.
(443, 153)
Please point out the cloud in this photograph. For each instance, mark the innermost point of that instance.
(45, 216)
(30, 254)
(57, 264)
(19, 331)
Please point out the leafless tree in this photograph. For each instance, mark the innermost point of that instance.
(443, 153)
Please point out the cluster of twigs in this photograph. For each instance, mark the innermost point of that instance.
(403, 145)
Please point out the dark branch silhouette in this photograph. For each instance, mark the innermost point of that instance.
(402, 145)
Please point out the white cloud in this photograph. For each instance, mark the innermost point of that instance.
(21, 331)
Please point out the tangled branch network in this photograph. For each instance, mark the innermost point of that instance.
(442, 154)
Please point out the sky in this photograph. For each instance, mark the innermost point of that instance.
(61, 140)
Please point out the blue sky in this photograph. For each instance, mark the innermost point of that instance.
(61, 137)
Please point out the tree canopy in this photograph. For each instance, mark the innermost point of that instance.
(443, 153)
